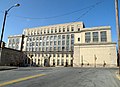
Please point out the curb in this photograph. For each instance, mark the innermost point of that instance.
(2, 69)
(117, 75)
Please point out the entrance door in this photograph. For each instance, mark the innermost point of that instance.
(46, 62)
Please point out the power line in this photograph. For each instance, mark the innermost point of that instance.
(93, 6)
(61, 14)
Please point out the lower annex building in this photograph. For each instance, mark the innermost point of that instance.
(68, 44)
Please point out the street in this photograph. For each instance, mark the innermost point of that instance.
(59, 77)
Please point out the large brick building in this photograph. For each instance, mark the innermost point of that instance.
(69, 44)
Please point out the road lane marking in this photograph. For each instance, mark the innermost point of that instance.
(21, 79)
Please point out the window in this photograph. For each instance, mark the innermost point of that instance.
(58, 61)
(62, 62)
(95, 36)
(72, 28)
(67, 29)
(87, 37)
(51, 30)
(46, 48)
(63, 42)
(68, 36)
(55, 30)
(78, 39)
(58, 55)
(40, 43)
(59, 36)
(63, 29)
(78, 29)
(62, 55)
(59, 29)
(40, 38)
(44, 31)
(103, 36)
(54, 48)
(72, 36)
(36, 43)
(55, 42)
(47, 43)
(37, 38)
(58, 48)
(51, 37)
(66, 55)
(47, 37)
(55, 37)
(50, 48)
(63, 36)
(53, 55)
(51, 42)
(59, 42)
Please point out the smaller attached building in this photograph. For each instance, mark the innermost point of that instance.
(94, 47)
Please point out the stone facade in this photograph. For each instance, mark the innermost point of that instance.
(69, 44)
(12, 57)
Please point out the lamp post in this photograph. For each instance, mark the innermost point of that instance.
(5, 15)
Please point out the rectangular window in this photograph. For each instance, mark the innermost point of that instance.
(63, 36)
(87, 37)
(58, 61)
(67, 29)
(63, 29)
(63, 42)
(58, 55)
(78, 29)
(78, 39)
(51, 42)
(72, 28)
(55, 42)
(62, 62)
(44, 31)
(55, 37)
(66, 55)
(51, 37)
(59, 29)
(103, 36)
(53, 55)
(55, 30)
(62, 55)
(95, 36)
(51, 30)
(50, 48)
(54, 48)
(68, 36)
(59, 42)
(59, 36)
(58, 48)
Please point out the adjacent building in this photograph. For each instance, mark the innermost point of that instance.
(68, 44)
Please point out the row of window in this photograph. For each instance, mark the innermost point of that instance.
(53, 30)
(95, 36)
(14, 40)
(53, 55)
(63, 48)
(63, 62)
(50, 43)
(56, 37)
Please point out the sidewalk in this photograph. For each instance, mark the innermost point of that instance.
(7, 68)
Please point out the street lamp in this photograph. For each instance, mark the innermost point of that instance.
(5, 15)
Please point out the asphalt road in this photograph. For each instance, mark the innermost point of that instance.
(59, 77)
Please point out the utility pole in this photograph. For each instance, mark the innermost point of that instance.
(118, 30)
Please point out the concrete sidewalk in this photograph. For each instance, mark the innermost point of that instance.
(7, 68)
